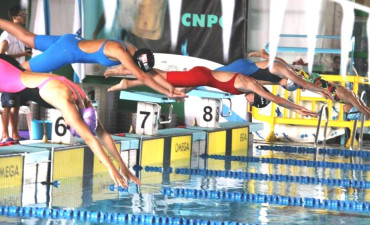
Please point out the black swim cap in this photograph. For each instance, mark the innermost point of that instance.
(260, 102)
(144, 58)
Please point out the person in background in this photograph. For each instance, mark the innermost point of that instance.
(336, 65)
(11, 103)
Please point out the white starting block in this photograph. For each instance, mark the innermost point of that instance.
(211, 107)
(60, 132)
(148, 110)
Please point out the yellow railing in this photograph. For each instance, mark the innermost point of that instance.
(289, 117)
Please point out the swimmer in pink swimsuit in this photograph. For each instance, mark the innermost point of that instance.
(67, 97)
(11, 75)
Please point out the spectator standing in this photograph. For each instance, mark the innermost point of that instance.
(11, 103)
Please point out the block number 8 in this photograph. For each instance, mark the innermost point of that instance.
(207, 116)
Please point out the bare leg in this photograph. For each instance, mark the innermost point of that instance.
(116, 71)
(261, 54)
(348, 97)
(14, 115)
(125, 84)
(19, 32)
(158, 75)
(5, 122)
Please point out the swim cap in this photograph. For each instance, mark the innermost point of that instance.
(90, 118)
(260, 102)
(290, 86)
(144, 58)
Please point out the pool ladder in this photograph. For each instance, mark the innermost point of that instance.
(360, 139)
(323, 108)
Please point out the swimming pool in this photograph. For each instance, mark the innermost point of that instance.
(270, 187)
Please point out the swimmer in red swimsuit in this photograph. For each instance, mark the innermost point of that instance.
(70, 99)
(226, 81)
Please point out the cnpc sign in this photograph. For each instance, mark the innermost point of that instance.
(200, 20)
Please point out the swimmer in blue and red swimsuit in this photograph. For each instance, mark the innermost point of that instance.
(279, 73)
(70, 99)
(62, 50)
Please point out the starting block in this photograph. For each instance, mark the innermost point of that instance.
(211, 106)
(148, 110)
(60, 131)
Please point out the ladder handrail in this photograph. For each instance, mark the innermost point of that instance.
(360, 138)
(323, 108)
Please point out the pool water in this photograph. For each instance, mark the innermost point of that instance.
(186, 196)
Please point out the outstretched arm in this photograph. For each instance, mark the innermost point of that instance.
(62, 98)
(117, 51)
(285, 103)
(293, 76)
(284, 70)
(73, 119)
(263, 54)
(254, 86)
(108, 142)
(157, 75)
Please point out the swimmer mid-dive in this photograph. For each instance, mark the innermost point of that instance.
(76, 109)
(59, 51)
(278, 73)
(339, 93)
(233, 83)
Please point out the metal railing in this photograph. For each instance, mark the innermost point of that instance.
(295, 119)
(360, 139)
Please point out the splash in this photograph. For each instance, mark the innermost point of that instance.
(110, 8)
(346, 35)
(276, 20)
(184, 48)
(128, 11)
(40, 22)
(24, 4)
(227, 24)
(175, 11)
(347, 29)
(277, 10)
(312, 22)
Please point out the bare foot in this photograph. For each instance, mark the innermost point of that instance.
(122, 85)
(117, 70)
(261, 53)
(347, 107)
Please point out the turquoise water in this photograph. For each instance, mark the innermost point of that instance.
(94, 195)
